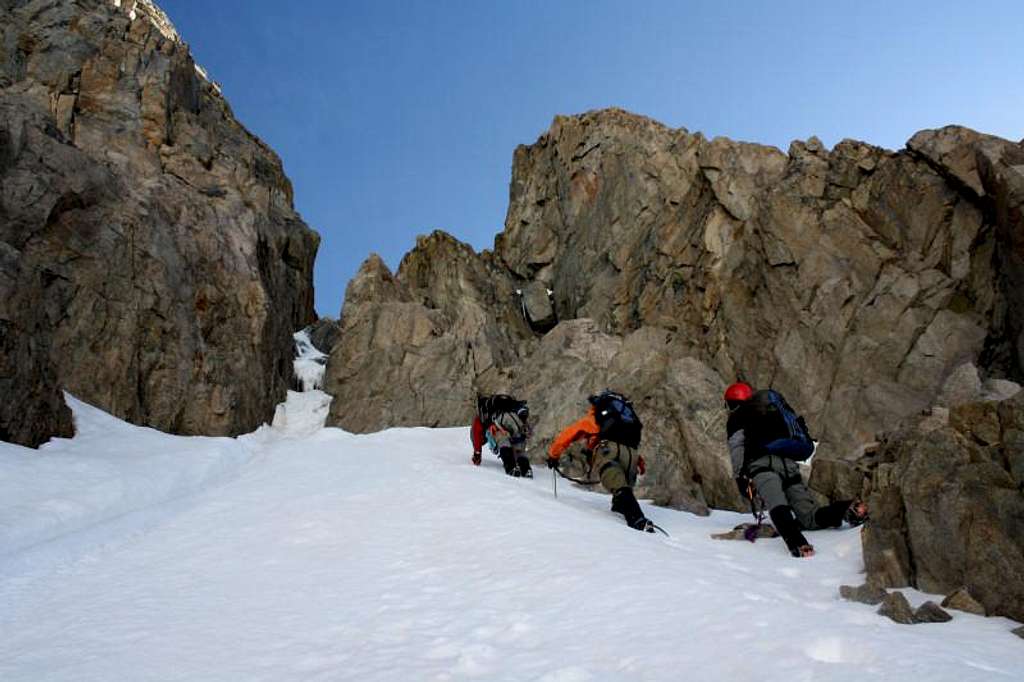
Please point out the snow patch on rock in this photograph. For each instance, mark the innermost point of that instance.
(302, 414)
(310, 362)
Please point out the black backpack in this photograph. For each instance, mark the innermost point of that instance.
(490, 407)
(616, 418)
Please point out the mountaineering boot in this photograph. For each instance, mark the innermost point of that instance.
(523, 465)
(644, 524)
(508, 461)
(624, 502)
(856, 513)
(785, 522)
(831, 516)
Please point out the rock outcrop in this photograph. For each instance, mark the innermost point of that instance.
(33, 408)
(412, 344)
(167, 265)
(324, 334)
(856, 280)
(947, 508)
(862, 283)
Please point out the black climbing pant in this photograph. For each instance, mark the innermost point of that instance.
(789, 528)
(624, 502)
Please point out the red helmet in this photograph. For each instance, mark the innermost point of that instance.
(739, 392)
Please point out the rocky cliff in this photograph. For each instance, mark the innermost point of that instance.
(152, 261)
(947, 504)
(865, 284)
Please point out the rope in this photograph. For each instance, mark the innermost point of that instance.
(574, 480)
(583, 482)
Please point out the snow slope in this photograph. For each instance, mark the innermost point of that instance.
(297, 553)
(108, 471)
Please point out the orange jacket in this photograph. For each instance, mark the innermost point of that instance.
(586, 427)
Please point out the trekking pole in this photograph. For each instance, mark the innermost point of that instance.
(554, 482)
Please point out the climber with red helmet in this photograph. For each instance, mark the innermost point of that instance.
(767, 440)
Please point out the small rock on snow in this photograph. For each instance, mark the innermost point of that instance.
(897, 608)
(865, 594)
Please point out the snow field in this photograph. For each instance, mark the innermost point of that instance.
(331, 556)
(110, 469)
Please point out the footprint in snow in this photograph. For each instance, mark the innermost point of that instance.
(830, 650)
(570, 674)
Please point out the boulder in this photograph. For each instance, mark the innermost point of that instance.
(896, 607)
(930, 612)
(947, 508)
(537, 306)
(837, 479)
(999, 389)
(865, 594)
(961, 600)
(961, 386)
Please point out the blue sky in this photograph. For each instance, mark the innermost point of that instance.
(396, 118)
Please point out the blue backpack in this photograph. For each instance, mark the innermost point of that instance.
(616, 418)
(786, 433)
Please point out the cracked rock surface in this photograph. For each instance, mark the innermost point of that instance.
(170, 267)
(947, 508)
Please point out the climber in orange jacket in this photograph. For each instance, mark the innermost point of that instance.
(610, 433)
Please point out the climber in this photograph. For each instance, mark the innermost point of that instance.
(766, 441)
(610, 434)
(504, 423)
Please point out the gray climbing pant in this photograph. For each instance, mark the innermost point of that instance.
(779, 483)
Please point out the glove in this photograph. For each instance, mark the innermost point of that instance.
(552, 462)
(476, 458)
(641, 465)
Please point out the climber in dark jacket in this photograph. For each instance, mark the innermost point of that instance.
(765, 462)
(504, 423)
